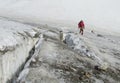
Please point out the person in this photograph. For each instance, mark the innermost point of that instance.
(81, 26)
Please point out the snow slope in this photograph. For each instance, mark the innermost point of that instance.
(59, 62)
(56, 58)
(103, 13)
(16, 41)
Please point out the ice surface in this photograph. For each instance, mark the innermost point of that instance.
(10, 32)
(16, 41)
(56, 62)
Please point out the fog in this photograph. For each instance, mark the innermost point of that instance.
(99, 13)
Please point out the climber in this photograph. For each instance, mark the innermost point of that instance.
(81, 26)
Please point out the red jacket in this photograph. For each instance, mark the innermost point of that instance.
(81, 24)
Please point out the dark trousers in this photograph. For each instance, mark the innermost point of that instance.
(81, 31)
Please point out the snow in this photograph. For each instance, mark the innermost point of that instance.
(8, 33)
(37, 49)
(16, 41)
(56, 62)
(53, 56)
(23, 74)
(26, 69)
(78, 44)
(103, 14)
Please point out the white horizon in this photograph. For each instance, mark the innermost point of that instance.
(100, 13)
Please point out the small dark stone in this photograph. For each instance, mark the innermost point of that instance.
(97, 68)
(99, 35)
(64, 41)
